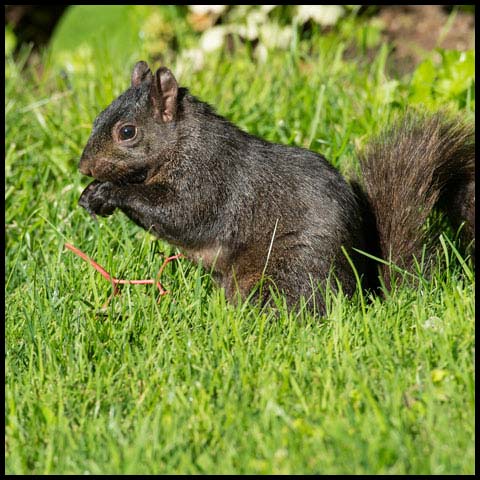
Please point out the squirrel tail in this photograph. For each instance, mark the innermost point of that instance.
(421, 162)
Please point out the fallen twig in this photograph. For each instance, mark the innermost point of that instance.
(116, 281)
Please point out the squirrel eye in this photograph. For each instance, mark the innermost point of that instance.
(127, 132)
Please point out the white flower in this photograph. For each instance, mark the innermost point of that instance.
(256, 17)
(190, 60)
(321, 14)
(274, 36)
(213, 38)
(261, 53)
(249, 31)
(201, 9)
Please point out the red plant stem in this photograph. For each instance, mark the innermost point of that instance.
(166, 261)
(116, 281)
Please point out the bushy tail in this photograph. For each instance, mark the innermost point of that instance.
(421, 162)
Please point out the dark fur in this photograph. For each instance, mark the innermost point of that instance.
(422, 162)
(251, 209)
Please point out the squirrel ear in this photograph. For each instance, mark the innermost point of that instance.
(140, 72)
(164, 95)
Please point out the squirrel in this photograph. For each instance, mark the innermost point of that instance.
(253, 211)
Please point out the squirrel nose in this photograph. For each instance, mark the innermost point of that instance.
(85, 169)
(85, 166)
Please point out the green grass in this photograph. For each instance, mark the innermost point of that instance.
(193, 384)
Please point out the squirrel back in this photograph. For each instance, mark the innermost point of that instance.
(253, 211)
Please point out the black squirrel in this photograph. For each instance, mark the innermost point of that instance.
(249, 209)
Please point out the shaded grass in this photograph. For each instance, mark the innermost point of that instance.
(193, 384)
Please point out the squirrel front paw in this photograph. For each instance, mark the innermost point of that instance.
(99, 198)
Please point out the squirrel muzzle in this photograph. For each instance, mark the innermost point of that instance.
(85, 166)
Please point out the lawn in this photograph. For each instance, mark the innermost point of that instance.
(192, 384)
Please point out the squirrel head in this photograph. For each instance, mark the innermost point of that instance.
(133, 136)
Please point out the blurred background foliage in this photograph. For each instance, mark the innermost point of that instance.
(432, 44)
